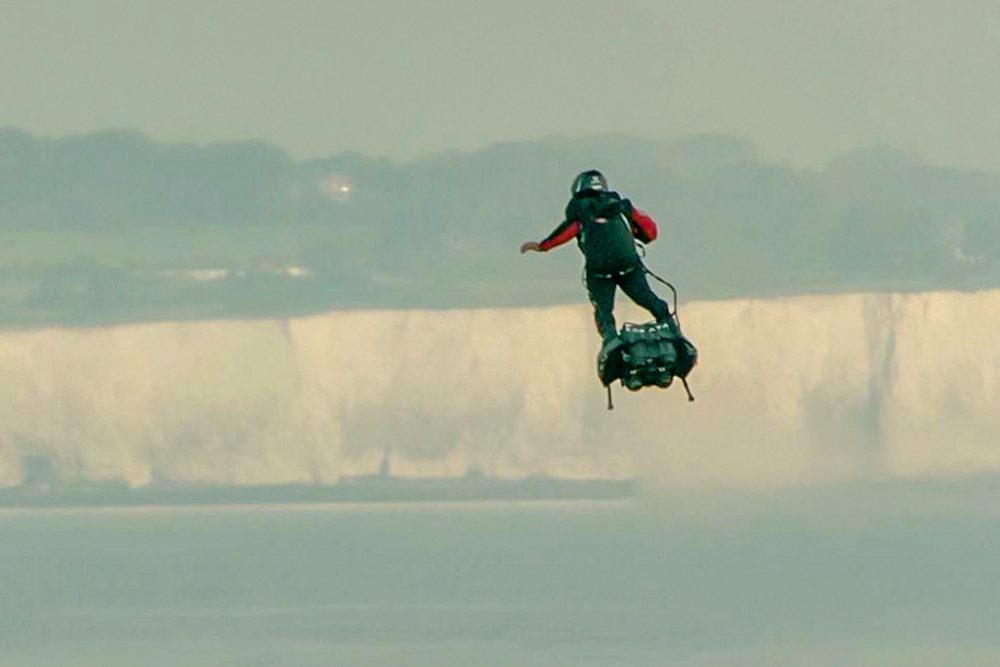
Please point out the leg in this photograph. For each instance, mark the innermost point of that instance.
(635, 285)
(602, 296)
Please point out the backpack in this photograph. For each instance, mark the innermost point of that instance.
(605, 236)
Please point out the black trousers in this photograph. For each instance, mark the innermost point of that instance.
(634, 283)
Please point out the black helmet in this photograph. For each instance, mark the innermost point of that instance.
(589, 180)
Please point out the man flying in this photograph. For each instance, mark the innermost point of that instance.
(606, 227)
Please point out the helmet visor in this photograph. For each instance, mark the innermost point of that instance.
(590, 180)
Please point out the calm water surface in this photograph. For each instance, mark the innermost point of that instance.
(491, 585)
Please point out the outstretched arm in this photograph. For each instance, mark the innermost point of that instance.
(563, 233)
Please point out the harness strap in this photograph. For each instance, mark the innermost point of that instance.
(615, 273)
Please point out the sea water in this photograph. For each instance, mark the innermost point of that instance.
(543, 584)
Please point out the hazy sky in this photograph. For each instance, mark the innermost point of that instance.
(807, 79)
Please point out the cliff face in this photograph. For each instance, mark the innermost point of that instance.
(790, 391)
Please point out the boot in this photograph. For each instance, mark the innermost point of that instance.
(611, 343)
(671, 324)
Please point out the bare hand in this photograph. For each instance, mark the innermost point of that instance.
(530, 245)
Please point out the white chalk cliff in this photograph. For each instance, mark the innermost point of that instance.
(790, 391)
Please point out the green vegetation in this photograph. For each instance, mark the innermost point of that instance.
(113, 227)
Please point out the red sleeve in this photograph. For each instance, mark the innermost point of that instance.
(643, 226)
(563, 233)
